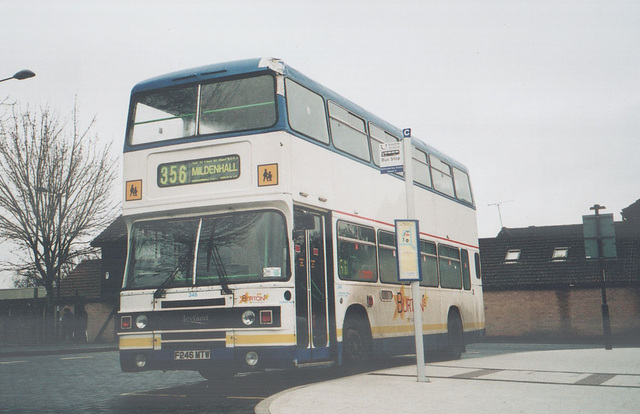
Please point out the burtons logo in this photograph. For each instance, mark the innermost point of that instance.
(404, 304)
(196, 319)
(247, 298)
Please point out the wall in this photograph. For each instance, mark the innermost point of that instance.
(562, 315)
(29, 322)
(25, 321)
(98, 317)
(97, 320)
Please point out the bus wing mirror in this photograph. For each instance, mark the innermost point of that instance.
(304, 221)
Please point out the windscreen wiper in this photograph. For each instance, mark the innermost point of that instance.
(213, 254)
(162, 289)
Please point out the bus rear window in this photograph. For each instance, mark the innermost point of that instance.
(227, 106)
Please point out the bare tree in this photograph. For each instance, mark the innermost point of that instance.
(55, 184)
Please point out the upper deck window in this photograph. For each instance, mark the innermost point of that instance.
(163, 115)
(348, 132)
(306, 110)
(441, 173)
(237, 105)
(226, 106)
(379, 136)
(420, 168)
(463, 188)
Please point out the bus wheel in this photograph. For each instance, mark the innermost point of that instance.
(217, 374)
(455, 343)
(355, 341)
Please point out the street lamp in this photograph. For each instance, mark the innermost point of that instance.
(23, 74)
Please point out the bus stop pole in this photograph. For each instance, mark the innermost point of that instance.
(415, 285)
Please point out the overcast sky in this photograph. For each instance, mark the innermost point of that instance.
(539, 99)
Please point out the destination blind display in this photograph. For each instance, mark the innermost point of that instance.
(199, 171)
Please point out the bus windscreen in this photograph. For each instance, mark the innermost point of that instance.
(226, 249)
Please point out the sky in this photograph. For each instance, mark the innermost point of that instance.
(539, 99)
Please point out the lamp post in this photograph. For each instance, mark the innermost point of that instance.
(599, 244)
(23, 74)
(606, 322)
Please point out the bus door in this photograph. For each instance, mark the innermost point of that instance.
(312, 322)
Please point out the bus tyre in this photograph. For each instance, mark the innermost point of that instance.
(455, 336)
(356, 341)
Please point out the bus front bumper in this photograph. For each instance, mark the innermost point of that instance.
(238, 359)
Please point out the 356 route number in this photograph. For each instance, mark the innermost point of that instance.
(173, 174)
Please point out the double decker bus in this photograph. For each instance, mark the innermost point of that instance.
(261, 230)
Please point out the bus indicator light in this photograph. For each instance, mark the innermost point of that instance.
(266, 317)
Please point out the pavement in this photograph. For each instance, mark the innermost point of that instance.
(9, 350)
(553, 381)
(581, 380)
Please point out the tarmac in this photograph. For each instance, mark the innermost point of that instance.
(581, 380)
(554, 381)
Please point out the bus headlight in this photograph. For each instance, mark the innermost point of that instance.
(140, 361)
(251, 359)
(141, 321)
(248, 317)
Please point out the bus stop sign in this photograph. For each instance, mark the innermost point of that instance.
(408, 250)
(391, 158)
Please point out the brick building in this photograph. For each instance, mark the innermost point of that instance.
(27, 315)
(83, 289)
(539, 286)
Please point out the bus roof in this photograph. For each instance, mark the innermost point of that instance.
(241, 67)
(200, 74)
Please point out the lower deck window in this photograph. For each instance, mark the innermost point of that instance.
(356, 253)
(449, 267)
(428, 264)
(387, 257)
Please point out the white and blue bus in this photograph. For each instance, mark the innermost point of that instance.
(261, 230)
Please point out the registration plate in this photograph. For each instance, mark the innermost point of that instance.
(187, 355)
